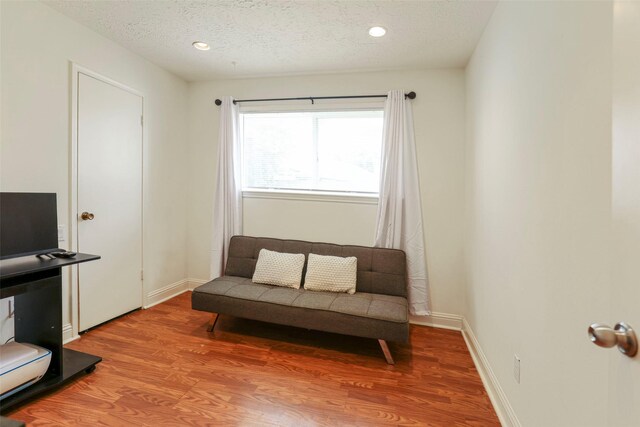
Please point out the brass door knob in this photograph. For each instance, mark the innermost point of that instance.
(621, 335)
(86, 216)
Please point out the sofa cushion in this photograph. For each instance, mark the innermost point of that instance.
(280, 269)
(373, 306)
(331, 273)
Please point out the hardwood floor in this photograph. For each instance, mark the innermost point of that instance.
(162, 368)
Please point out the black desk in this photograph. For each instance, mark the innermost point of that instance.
(36, 285)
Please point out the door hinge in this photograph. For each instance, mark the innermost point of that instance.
(141, 275)
(141, 120)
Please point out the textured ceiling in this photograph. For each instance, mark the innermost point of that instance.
(273, 37)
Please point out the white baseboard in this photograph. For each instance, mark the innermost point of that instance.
(67, 334)
(194, 283)
(438, 320)
(165, 293)
(501, 404)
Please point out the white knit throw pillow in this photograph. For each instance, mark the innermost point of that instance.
(280, 269)
(331, 273)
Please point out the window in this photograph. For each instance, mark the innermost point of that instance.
(336, 151)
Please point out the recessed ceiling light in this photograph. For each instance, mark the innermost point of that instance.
(377, 31)
(201, 45)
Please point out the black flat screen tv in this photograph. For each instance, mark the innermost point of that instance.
(28, 224)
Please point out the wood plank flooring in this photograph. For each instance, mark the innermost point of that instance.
(162, 368)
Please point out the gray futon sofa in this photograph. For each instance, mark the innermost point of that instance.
(377, 310)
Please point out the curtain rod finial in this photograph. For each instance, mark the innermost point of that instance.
(411, 95)
(218, 102)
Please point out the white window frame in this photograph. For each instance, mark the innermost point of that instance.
(310, 195)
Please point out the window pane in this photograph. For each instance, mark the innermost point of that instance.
(278, 150)
(349, 152)
(331, 151)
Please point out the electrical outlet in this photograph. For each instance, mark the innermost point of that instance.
(60, 233)
(516, 368)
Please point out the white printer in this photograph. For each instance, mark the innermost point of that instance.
(21, 365)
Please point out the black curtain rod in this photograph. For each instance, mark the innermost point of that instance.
(410, 95)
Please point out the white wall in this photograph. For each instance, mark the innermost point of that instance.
(538, 198)
(439, 128)
(38, 44)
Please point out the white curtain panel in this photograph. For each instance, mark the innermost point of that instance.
(399, 218)
(227, 202)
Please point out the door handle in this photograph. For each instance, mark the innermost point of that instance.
(86, 216)
(621, 335)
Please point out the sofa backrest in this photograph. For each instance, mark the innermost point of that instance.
(380, 271)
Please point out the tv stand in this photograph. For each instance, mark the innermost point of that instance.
(36, 285)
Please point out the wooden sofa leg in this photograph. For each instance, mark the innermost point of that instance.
(387, 353)
(212, 322)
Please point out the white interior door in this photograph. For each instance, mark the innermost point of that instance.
(109, 188)
(624, 372)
